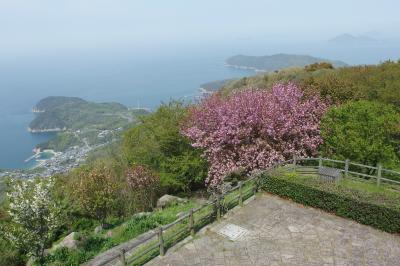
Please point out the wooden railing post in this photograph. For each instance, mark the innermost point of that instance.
(161, 241)
(218, 205)
(122, 257)
(319, 162)
(294, 163)
(191, 223)
(241, 193)
(346, 168)
(255, 189)
(379, 175)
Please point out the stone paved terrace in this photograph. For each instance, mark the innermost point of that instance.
(281, 232)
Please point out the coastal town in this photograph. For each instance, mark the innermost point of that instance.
(59, 162)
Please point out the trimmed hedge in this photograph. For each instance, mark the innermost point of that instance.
(378, 216)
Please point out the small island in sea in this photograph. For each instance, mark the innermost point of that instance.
(276, 62)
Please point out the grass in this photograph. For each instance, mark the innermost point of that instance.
(97, 243)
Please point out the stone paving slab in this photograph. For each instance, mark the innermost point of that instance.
(285, 233)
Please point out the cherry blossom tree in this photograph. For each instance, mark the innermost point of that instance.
(252, 129)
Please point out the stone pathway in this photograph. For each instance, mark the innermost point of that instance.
(281, 232)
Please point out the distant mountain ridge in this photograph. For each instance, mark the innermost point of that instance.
(277, 61)
(346, 39)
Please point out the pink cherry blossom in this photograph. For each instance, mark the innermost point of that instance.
(253, 129)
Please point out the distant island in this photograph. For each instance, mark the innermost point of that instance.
(348, 39)
(276, 62)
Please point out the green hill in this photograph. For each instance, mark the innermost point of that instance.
(277, 61)
(62, 113)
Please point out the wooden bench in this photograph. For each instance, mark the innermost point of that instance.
(330, 174)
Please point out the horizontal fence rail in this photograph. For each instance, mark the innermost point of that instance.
(159, 240)
(360, 170)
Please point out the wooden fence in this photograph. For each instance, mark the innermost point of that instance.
(348, 168)
(158, 241)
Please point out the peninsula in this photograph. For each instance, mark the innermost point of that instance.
(81, 128)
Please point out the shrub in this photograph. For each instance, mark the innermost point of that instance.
(95, 191)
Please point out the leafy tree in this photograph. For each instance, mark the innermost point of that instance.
(95, 191)
(34, 216)
(362, 131)
(157, 143)
(252, 129)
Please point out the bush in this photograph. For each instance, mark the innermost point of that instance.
(362, 131)
(378, 209)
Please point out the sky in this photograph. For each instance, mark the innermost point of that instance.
(40, 26)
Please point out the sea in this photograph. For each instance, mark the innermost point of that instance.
(133, 77)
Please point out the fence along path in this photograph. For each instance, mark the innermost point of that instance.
(155, 242)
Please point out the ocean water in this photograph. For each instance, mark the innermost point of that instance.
(130, 76)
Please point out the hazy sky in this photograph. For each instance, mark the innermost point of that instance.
(42, 25)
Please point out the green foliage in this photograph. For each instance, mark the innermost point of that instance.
(377, 207)
(157, 143)
(61, 142)
(366, 132)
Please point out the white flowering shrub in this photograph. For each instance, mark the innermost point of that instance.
(34, 215)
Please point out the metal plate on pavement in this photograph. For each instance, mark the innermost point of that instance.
(233, 232)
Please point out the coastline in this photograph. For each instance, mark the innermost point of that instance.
(37, 158)
(47, 130)
(246, 68)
